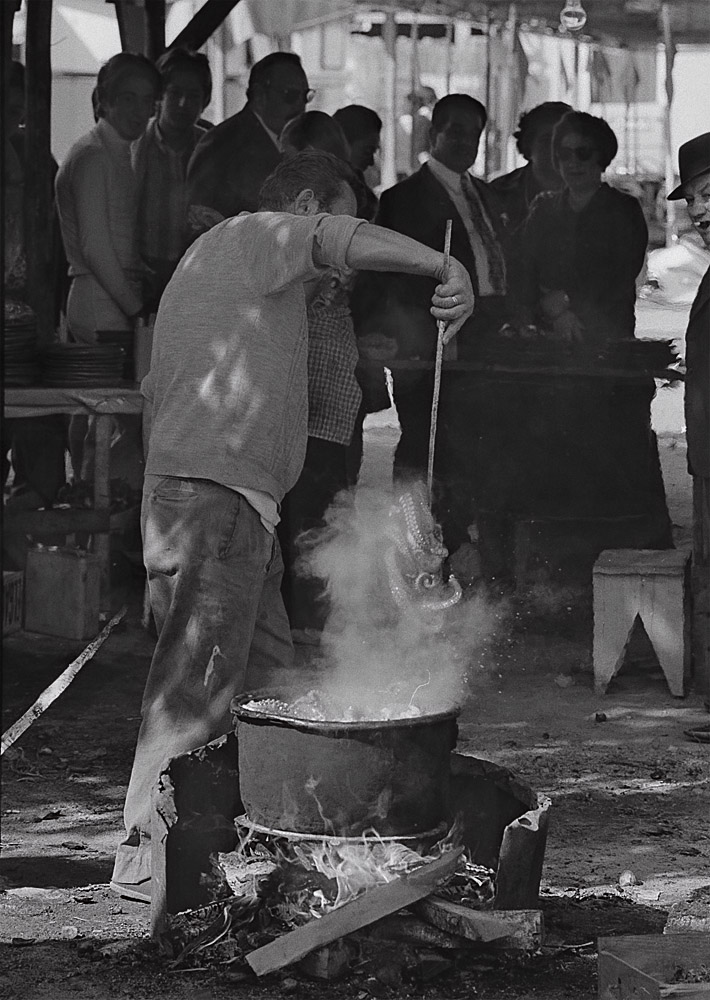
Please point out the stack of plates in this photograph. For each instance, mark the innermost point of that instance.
(75, 365)
(19, 345)
(125, 340)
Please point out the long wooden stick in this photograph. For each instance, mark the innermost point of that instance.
(62, 682)
(440, 328)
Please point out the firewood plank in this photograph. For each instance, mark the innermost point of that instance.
(366, 909)
(519, 929)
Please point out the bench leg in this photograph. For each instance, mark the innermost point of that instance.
(663, 613)
(614, 619)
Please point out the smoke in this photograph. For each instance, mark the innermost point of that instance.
(386, 659)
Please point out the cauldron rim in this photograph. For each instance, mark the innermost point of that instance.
(333, 727)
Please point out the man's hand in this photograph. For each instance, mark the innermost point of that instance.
(453, 299)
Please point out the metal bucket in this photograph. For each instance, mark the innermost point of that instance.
(343, 778)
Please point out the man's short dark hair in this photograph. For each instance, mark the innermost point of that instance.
(534, 121)
(357, 121)
(456, 102)
(262, 70)
(596, 131)
(316, 130)
(322, 173)
(184, 60)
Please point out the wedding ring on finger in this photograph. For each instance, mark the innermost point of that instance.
(455, 300)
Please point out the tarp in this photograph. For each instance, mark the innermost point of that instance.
(84, 35)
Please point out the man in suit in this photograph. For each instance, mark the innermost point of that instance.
(694, 163)
(397, 305)
(232, 160)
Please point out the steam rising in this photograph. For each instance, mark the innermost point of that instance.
(385, 661)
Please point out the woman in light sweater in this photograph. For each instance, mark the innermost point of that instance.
(97, 202)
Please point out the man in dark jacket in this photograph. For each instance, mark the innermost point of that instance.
(397, 305)
(694, 162)
(231, 162)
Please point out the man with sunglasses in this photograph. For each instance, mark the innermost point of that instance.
(231, 162)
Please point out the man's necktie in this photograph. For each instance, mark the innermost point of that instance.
(496, 261)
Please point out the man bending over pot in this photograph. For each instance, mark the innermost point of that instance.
(226, 420)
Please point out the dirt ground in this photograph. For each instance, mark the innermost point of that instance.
(630, 794)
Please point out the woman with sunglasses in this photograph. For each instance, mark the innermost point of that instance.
(583, 246)
(589, 451)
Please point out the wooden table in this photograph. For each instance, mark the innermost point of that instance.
(102, 404)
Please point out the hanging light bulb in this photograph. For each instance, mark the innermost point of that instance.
(573, 16)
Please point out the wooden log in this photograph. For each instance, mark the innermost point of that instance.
(514, 930)
(366, 909)
(330, 962)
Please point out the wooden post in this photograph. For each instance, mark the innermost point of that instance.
(38, 167)
(389, 130)
(155, 28)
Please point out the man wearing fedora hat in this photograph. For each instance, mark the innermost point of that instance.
(694, 165)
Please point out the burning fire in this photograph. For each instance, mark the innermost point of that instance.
(301, 880)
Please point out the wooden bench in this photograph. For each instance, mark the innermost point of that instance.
(651, 585)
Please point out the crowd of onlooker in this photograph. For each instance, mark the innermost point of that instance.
(553, 254)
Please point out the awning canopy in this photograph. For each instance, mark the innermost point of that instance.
(636, 23)
(615, 22)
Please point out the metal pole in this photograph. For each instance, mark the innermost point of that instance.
(414, 89)
(389, 129)
(575, 75)
(669, 51)
(489, 130)
(449, 52)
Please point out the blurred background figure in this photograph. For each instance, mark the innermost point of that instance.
(315, 130)
(584, 245)
(97, 200)
(334, 398)
(694, 187)
(160, 159)
(231, 162)
(413, 133)
(517, 190)
(363, 127)
(33, 447)
(587, 450)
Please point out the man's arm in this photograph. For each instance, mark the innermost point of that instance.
(374, 248)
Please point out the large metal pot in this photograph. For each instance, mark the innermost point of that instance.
(343, 778)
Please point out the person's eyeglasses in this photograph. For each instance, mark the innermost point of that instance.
(581, 153)
(292, 95)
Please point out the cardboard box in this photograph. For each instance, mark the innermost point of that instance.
(12, 601)
(62, 589)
